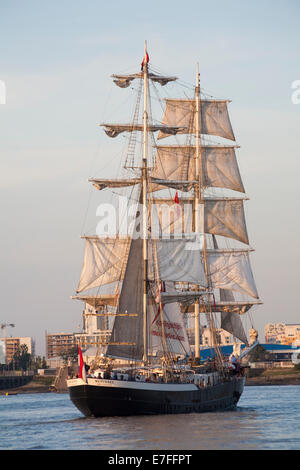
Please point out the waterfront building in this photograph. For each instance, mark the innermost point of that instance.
(282, 333)
(10, 345)
(223, 337)
(96, 330)
(58, 343)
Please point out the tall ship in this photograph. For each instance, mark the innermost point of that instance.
(179, 256)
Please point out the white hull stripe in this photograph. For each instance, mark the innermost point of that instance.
(133, 385)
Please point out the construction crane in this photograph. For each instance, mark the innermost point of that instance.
(4, 325)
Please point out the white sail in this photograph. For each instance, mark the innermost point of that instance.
(214, 117)
(230, 321)
(104, 261)
(177, 261)
(166, 327)
(231, 270)
(183, 261)
(177, 163)
(222, 216)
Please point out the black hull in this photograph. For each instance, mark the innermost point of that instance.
(100, 401)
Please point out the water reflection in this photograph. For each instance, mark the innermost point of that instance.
(267, 418)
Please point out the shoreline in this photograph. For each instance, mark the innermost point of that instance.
(261, 380)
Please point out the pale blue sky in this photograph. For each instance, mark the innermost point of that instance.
(56, 58)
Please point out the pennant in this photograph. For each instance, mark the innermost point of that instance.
(176, 200)
(82, 371)
(145, 61)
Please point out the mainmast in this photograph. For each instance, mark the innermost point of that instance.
(144, 190)
(197, 195)
(199, 215)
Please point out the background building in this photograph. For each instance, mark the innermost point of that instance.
(58, 343)
(281, 333)
(96, 329)
(223, 337)
(9, 346)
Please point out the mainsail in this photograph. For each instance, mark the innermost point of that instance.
(179, 244)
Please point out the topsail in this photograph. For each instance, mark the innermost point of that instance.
(214, 117)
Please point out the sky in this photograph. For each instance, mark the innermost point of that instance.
(56, 59)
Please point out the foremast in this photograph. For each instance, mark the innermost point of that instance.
(145, 198)
(199, 218)
(199, 204)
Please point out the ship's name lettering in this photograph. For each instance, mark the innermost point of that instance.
(168, 335)
(174, 326)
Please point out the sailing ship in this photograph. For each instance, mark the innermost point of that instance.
(182, 257)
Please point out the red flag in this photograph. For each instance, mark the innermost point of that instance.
(82, 371)
(145, 60)
(176, 200)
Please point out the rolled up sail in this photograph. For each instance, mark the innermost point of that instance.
(236, 307)
(113, 130)
(124, 81)
(101, 183)
(214, 117)
(97, 301)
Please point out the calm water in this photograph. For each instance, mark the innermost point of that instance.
(267, 418)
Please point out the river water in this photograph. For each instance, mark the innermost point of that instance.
(267, 418)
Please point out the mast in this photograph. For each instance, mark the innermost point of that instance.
(198, 198)
(144, 189)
